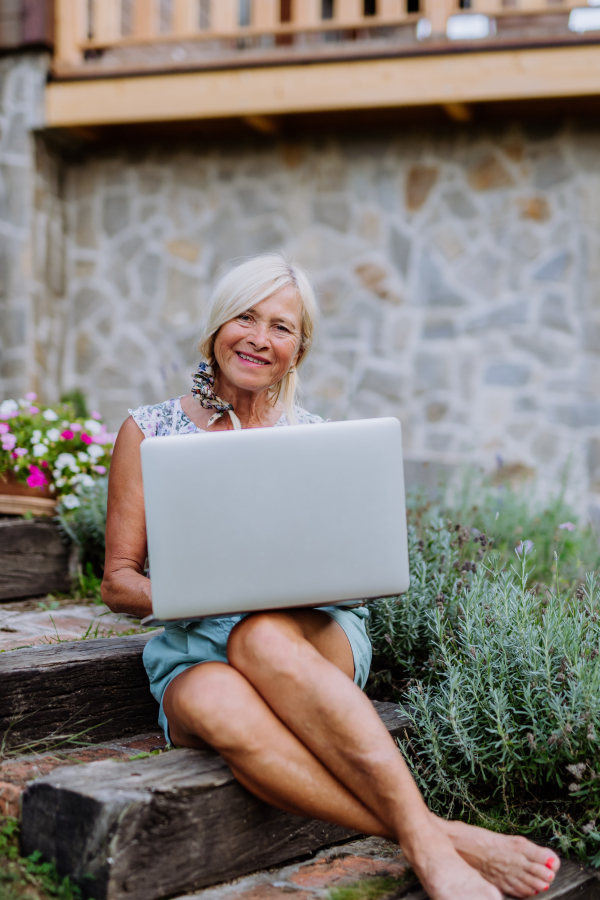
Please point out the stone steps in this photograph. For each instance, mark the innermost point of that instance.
(164, 825)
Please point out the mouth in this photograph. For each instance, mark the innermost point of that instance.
(250, 360)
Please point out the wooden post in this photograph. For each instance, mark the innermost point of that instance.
(349, 12)
(144, 19)
(224, 16)
(186, 17)
(391, 9)
(70, 30)
(265, 14)
(438, 12)
(106, 21)
(306, 13)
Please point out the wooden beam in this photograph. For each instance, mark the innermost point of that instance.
(70, 27)
(66, 688)
(224, 16)
(34, 560)
(144, 18)
(166, 825)
(348, 12)
(306, 13)
(437, 11)
(360, 84)
(186, 17)
(265, 14)
(106, 19)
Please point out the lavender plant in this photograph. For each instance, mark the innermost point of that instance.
(507, 727)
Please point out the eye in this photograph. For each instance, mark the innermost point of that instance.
(245, 317)
(282, 328)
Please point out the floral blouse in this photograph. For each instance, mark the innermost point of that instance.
(168, 418)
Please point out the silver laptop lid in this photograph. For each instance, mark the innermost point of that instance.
(268, 518)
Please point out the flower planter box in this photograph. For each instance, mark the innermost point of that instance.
(17, 499)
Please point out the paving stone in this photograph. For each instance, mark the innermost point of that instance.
(553, 313)
(419, 182)
(555, 268)
(43, 627)
(489, 174)
(115, 214)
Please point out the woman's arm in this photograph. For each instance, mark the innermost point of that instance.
(125, 589)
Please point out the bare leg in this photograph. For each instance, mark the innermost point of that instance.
(272, 763)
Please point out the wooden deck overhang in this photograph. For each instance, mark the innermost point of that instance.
(475, 77)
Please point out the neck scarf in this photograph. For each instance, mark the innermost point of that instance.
(203, 390)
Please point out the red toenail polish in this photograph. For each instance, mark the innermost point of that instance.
(550, 862)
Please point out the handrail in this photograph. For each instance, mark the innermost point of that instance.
(93, 25)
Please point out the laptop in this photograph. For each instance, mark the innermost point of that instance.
(272, 518)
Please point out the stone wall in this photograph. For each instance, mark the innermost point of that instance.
(22, 80)
(457, 272)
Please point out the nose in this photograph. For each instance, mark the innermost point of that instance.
(259, 336)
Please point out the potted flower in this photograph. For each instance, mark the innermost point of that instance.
(47, 455)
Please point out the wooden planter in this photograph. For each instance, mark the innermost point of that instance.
(17, 499)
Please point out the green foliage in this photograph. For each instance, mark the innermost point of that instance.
(77, 401)
(86, 525)
(503, 681)
(379, 887)
(28, 878)
(513, 515)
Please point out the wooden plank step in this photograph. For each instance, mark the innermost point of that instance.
(34, 559)
(70, 687)
(164, 825)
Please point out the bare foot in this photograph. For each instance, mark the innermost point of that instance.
(442, 872)
(515, 865)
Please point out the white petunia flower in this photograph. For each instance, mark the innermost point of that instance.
(40, 450)
(95, 452)
(8, 406)
(93, 427)
(36, 437)
(50, 415)
(53, 434)
(71, 501)
(66, 460)
(83, 457)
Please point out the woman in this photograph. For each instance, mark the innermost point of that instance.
(278, 694)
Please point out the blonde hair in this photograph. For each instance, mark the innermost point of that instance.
(246, 285)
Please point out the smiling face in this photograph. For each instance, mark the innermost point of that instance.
(257, 348)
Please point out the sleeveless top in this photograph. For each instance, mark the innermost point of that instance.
(168, 418)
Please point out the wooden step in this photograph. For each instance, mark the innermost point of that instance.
(166, 824)
(34, 559)
(174, 823)
(99, 687)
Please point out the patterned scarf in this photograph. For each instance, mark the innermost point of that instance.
(204, 391)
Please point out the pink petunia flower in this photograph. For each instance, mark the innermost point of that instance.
(20, 451)
(4, 428)
(76, 426)
(567, 526)
(33, 410)
(101, 470)
(36, 477)
(31, 396)
(96, 414)
(67, 434)
(44, 464)
(8, 442)
(85, 438)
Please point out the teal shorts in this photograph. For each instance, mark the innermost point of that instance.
(189, 643)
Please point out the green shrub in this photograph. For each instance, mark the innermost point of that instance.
(510, 515)
(86, 525)
(503, 682)
(508, 725)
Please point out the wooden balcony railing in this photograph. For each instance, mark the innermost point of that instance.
(86, 29)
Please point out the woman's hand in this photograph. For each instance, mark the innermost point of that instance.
(125, 589)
